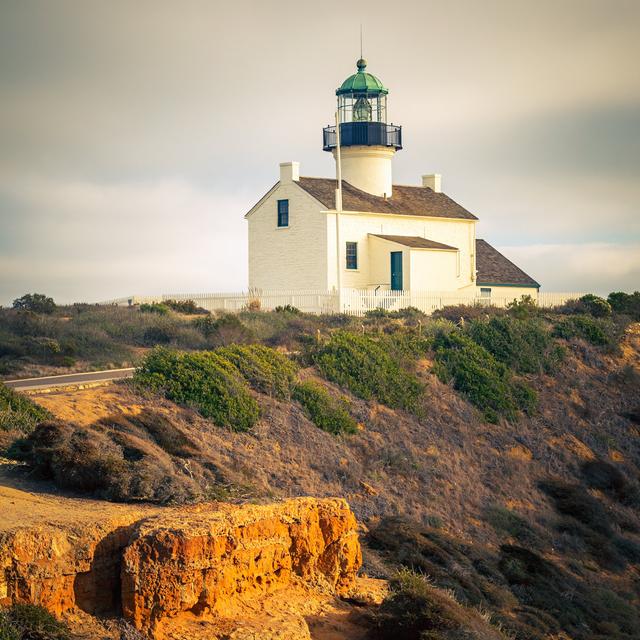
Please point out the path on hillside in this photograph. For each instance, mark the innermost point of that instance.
(46, 382)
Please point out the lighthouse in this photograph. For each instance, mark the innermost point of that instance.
(367, 142)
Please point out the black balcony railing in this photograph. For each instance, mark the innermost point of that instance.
(363, 133)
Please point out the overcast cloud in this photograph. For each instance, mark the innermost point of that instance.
(135, 135)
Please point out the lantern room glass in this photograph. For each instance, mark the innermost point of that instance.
(362, 107)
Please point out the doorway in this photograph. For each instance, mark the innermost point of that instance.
(396, 271)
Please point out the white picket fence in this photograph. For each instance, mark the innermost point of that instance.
(354, 302)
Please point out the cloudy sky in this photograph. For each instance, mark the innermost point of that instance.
(135, 135)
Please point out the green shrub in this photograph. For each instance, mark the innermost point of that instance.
(523, 308)
(595, 305)
(324, 410)
(415, 609)
(30, 622)
(18, 412)
(486, 382)
(364, 366)
(625, 303)
(597, 331)
(505, 521)
(265, 369)
(287, 308)
(35, 302)
(453, 313)
(206, 381)
(188, 307)
(227, 329)
(155, 307)
(523, 344)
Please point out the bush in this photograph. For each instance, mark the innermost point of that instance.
(288, 308)
(596, 306)
(108, 460)
(602, 475)
(324, 410)
(363, 366)
(505, 521)
(523, 344)
(455, 312)
(523, 308)
(625, 303)
(155, 307)
(265, 369)
(206, 381)
(30, 622)
(188, 307)
(18, 412)
(227, 329)
(35, 302)
(416, 609)
(597, 331)
(486, 382)
(572, 500)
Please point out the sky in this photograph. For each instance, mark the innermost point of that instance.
(134, 136)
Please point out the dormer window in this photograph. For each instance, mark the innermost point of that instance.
(283, 213)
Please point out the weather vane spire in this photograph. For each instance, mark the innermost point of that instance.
(361, 40)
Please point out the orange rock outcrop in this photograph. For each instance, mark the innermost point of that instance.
(156, 565)
(201, 564)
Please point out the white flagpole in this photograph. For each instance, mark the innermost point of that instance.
(338, 211)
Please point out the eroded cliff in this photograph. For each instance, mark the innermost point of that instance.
(155, 567)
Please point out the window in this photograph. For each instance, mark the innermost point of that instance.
(485, 292)
(352, 255)
(283, 213)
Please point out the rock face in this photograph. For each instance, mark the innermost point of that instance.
(156, 565)
(203, 563)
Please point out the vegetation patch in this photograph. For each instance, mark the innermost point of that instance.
(486, 382)
(29, 622)
(507, 522)
(206, 381)
(324, 410)
(111, 460)
(364, 366)
(224, 330)
(523, 344)
(18, 412)
(265, 369)
(625, 303)
(417, 609)
(597, 331)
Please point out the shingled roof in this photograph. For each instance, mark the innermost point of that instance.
(408, 201)
(494, 268)
(415, 242)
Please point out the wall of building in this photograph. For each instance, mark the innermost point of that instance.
(433, 270)
(292, 257)
(370, 273)
(503, 294)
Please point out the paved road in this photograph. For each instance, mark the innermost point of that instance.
(68, 379)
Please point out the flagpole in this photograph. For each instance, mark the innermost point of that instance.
(338, 211)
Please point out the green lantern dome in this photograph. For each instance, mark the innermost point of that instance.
(362, 82)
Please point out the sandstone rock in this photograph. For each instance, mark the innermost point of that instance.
(201, 563)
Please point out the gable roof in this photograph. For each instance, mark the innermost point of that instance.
(494, 268)
(415, 242)
(406, 200)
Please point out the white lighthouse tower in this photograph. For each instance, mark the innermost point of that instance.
(367, 142)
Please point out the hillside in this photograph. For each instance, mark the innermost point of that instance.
(498, 457)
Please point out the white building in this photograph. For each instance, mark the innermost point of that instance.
(381, 236)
